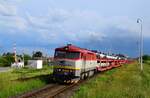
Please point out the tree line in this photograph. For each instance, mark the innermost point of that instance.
(6, 59)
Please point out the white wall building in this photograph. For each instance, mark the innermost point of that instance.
(17, 64)
(37, 64)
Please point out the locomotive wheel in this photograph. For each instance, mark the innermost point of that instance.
(91, 73)
(88, 74)
(82, 77)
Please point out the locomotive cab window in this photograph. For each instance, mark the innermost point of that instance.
(72, 55)
(60, 54)
(67, 54)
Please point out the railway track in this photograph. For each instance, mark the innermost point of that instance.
(49, 91)
(52, 90)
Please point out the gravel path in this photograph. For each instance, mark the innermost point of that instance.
(4, 69)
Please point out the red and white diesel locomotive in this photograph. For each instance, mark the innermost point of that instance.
(72, 63)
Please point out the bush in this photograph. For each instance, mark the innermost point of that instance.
(26, 58)
(6, 60)
(146, 57)
(2, 61)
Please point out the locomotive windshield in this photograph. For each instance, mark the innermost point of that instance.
(67, 55)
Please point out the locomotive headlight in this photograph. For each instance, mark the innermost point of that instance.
(71, 70)
(65, 73)
(66, 48)
(59, 69)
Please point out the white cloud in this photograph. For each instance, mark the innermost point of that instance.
(37, 22)
(7, 9)
(61, 25)
(66, 25)
(20, 23)
(9, 16)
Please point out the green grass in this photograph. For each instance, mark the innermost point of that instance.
(123, 82)
(11, 83)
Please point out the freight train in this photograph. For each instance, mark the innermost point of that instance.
(72, 63)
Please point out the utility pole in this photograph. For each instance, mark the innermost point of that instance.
(0, 49)
(15, 53)
(23, 56)
(141, 43)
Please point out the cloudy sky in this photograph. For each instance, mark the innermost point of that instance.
(105, 25)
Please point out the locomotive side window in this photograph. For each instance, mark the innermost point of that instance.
(93, 57)
(90, 56)
(82, 55)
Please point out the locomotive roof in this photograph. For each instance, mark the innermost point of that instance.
(74, 49)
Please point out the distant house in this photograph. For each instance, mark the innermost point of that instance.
(51, 61)
(36, 64)
(18, 64)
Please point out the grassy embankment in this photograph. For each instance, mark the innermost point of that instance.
(19, 81)
(124, 82)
